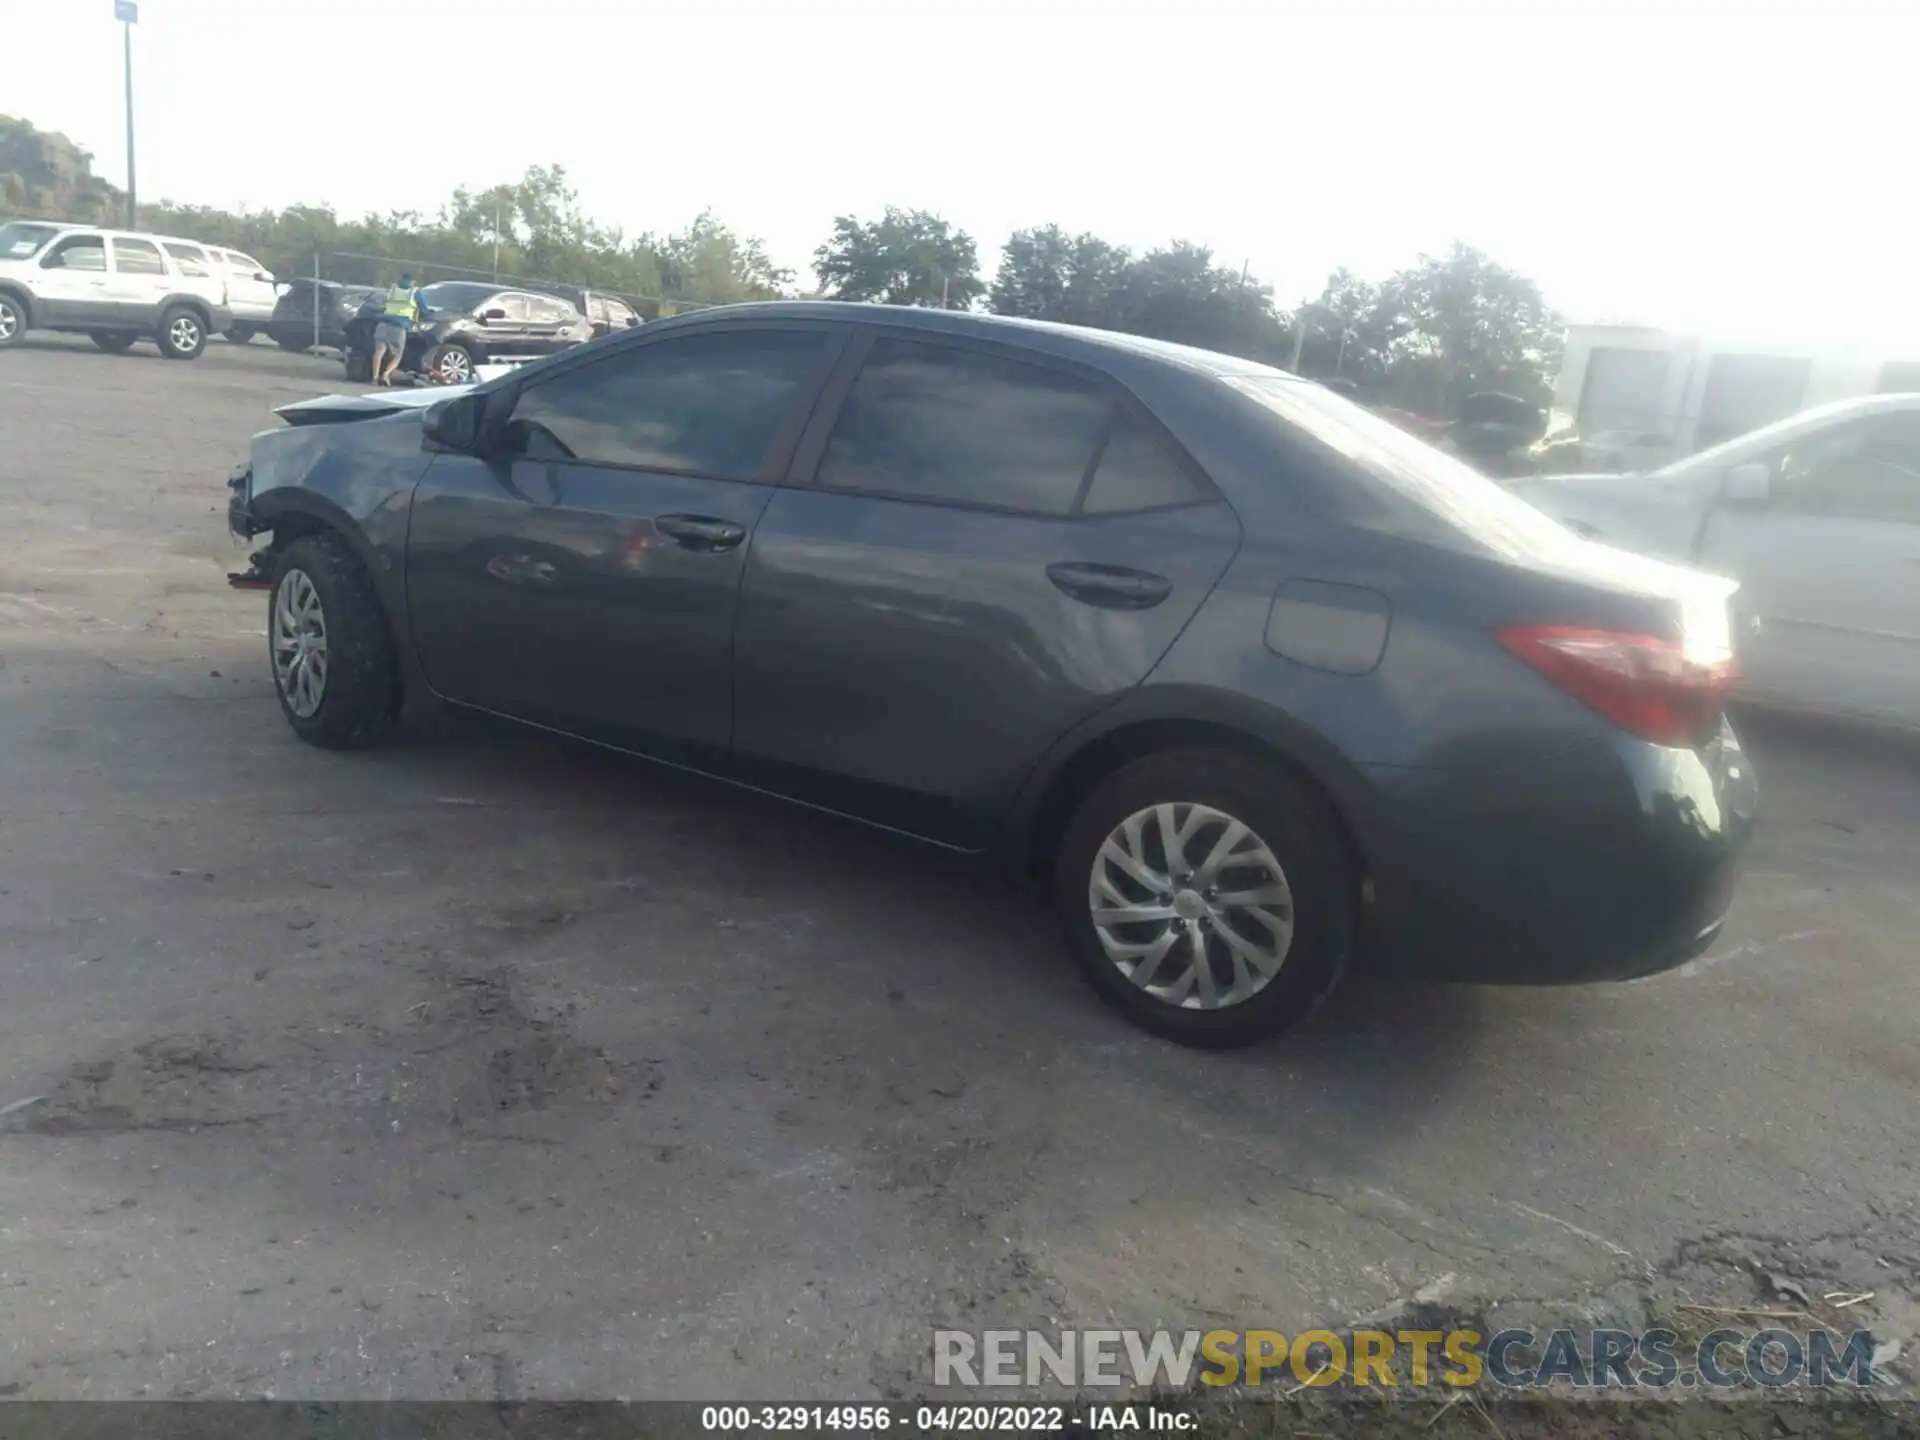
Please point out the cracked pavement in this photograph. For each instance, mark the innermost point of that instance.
(487, 1067)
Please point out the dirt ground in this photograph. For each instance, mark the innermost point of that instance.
(494, 1069)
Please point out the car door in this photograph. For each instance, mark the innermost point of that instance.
(1829, 564)
(137, 280)
(251, 291)
(583, 572)
(548, 322)
(979, 549)
(72, 286)
(504, 321)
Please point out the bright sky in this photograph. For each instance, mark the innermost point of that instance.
(1741, 168)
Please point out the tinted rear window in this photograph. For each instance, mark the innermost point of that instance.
(1446, 488)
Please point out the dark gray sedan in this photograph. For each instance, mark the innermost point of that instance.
(1265, 688)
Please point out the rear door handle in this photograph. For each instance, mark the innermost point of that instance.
(701, 532)
(1112, 587)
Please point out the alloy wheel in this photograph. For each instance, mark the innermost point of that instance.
(1191, 905)
(184, 333)
(455, 368)
(9, 321)
(300, 644)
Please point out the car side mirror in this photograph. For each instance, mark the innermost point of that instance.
(489, 316)
(1749, 483)
(265, 275)
(454, 423)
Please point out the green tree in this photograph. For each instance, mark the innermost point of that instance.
(907, 257)
(1346, 332)
(1179, 294)
(708, 263)
(1464, 323)
(1046, 274)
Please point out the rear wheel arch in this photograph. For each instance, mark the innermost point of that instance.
(21, 299)
(1050, 808)
(193, 303)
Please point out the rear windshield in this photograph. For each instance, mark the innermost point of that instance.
(20, 238)
(1444, 487)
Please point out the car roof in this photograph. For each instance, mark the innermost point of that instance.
(1070, 341)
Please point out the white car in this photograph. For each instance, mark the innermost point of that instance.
(1818, 518)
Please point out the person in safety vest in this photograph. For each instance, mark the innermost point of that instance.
(390, 334)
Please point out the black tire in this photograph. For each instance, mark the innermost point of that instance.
(359, 366)
(242, 334)
(291, 343)
(13, 321)
(1306, 839)
(114, 342)
(359, 699)
(452, 354)
(182, 334)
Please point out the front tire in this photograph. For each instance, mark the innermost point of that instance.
(13, 322)
(114, 342)
(329, 647)
(292, 343)
(182, 334)
(450, 364)
(1208, 896)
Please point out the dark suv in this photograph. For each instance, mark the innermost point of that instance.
(1265, 687)
(465, 323)
(292, 326)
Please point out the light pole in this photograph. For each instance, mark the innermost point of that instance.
(127, 12)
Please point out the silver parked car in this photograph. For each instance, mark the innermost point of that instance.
(1818, 518)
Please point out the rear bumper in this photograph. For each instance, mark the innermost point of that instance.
(1610, 864)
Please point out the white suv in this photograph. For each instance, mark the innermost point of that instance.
(115, 285)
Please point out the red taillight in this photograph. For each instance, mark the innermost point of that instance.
(1650, 686)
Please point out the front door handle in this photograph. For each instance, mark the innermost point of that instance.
(1112, 587)
(701, 532)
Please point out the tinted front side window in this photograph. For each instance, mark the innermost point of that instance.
(703, 405)
(927, 422)
(1869, 470)
(137, 257)
(82, 252)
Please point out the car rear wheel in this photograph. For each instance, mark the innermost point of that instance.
(292, 342)
(241, 334)
(1208, 896)
(331, 652)
(13, 321)
(182, 334)
(114, 342)
(450, 364)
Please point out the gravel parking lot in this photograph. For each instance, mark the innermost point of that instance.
(494, 1068)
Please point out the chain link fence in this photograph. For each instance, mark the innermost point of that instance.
(315, 317)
